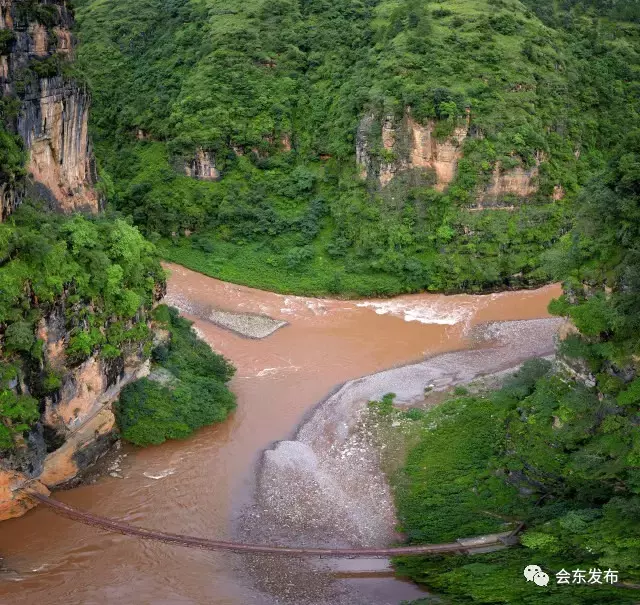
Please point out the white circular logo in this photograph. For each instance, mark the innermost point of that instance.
(534, 574)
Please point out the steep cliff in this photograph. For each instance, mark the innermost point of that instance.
(74, 431)
(74, 327)
(406, 145)
(45, 106)
(203, 166)
(45, 113)
(387, 147)
(76, 422)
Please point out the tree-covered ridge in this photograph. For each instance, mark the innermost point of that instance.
(556, 449)
(99, 272)
(245, 82)
(600, 261)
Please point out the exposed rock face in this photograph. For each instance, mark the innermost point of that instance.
(517, 181)
(203, 166)
(9, 199)
(388, 166)
(6, 18)
(285, 142)
(404, 145)
(54, 127)
(558, 192)
(15, 503)
(408, 145)
(39, 39)
(64, 41)
(363, 146)
(54, 110)
(76, 422)
(76, 426)
(576, 366)
(441, 156)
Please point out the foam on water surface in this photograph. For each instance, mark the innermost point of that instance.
(160, 474)
(441, 312)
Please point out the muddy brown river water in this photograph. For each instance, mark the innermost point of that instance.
(198, 486)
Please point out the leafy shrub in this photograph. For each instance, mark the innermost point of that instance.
(147, 414)
(504, 23)
(384, 407)
(52, 382)
(17, 412)
(34, 10)
(7, 37)
(19, 337)
(151, 412)
(47, 67)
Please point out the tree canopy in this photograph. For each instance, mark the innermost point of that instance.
(274, 93)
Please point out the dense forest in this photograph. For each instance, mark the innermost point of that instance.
(185, 391)
(558, 448)
(240, 124)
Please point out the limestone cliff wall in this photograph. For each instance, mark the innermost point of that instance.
(517, 181)
(387, 147)
(53, 109)
(203, 166)
(77, 422)
(10, 198)
(54, 126)
(441, 156)
(407, 145)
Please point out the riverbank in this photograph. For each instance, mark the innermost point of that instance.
(328, 486)
(198, 485)
(253, 265)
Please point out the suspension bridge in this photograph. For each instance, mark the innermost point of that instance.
(474, 545)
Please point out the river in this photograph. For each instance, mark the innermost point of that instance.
(199, 486)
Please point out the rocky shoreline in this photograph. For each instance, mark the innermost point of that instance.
(326, 485)
(248, 325)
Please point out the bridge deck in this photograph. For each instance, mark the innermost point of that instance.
(462, 546)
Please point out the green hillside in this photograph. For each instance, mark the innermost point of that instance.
(276, 92)
(557, 449)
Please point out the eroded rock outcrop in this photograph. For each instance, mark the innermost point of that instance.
(517, 181)
(406, 145)
(441, 156)
(54, 109)
(77, 422)
(54, 126)
(203, 166)
(13, 501)
(10, 198)
(387, 147)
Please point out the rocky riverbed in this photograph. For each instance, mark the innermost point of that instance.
(326, 486)
(249, 325)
